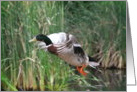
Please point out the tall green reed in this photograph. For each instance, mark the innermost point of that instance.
(102, 28)
(26, 68)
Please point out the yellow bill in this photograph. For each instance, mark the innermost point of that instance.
(33, 40)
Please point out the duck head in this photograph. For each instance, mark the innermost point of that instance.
(42, 38)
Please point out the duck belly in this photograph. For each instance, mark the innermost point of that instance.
(72, 59)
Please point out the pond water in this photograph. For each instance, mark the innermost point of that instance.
(105, 80)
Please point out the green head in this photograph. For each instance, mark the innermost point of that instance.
(42, 38)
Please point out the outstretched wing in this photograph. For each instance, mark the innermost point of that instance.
(71, 46)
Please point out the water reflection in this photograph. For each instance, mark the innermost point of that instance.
(107, 80)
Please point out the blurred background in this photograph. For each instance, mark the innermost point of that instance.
(99, 26)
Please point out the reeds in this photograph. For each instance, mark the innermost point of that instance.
(99, 26)
(102, 28)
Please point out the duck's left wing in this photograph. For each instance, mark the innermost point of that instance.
(70, 45)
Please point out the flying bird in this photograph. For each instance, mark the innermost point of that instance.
(66, 47)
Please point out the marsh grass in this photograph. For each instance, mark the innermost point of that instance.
(99, 26)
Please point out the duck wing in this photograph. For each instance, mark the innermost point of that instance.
(42, 45)
(71, 47)
(71, 44)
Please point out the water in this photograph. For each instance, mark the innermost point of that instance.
(108, 80)
(104, 80)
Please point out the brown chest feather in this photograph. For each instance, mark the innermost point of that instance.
(52, 49)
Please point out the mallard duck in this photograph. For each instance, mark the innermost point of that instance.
(67, 48)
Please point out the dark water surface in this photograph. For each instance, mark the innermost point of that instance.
(110, 79)
(105, 80)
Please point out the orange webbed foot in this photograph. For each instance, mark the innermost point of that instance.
(80, 69)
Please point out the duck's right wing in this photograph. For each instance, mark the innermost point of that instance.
(42, 45)
(68, 44)
(71, 45)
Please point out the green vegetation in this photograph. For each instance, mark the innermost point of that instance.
(99, 26)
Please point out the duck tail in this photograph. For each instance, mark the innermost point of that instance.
(92, 62)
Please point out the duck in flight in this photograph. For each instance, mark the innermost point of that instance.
(67, 48)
